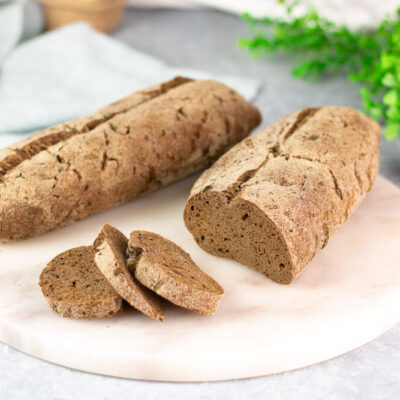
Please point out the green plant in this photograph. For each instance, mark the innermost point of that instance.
(370, 58)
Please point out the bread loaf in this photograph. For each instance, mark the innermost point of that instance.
(110, 257)
(274, 200)
(75, 288)
(169, 271)
(145, 141)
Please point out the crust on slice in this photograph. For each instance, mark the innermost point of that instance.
(110, 251)
(75, 288)
(168, 270)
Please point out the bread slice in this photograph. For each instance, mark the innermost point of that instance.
(168, 270)
(75, 288)
(110, 252)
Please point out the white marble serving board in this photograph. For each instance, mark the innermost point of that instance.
(347, 296)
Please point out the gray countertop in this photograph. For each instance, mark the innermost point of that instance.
(207, 40)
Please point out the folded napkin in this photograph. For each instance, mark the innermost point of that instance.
(11, 26)
(72, 71)
(19, 19)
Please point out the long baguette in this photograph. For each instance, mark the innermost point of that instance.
(274, 200)
(145, 141)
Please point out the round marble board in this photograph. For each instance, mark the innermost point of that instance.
(347, 296)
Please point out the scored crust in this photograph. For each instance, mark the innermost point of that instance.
(168, 270)
(275, 199)
(110, 252)
(145, 141)
(75, 288)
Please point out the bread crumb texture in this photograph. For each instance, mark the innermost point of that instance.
(275, 199)
(74, 287)
(110, 257)
(169, 271)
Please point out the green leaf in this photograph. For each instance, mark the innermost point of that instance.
(376, 112)
(388, 61)
(242, 42)
(369, 58)
(391, 131)
(393, 114)
(365, 94)
(391, 97)
(389, 80)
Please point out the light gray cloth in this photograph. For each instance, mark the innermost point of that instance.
(73, 71)
(19, 20)
(11, 26)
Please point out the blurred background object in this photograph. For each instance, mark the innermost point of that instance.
(352, 13)
(103, 15)
(19, 19)
(322, 48)
(11, 26)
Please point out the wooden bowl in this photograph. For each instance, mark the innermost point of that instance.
(103, 15)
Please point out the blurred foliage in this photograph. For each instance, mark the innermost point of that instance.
(369, 57)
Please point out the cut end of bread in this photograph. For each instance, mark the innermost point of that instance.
(110, 257)
(168, 270)
(75, 288)
(217, 225)
(274, 200)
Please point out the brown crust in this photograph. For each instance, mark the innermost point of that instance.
(169, 271)
(110, 251)
(28, 148)
(136, 145)
(75, 288)
(302, 177)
